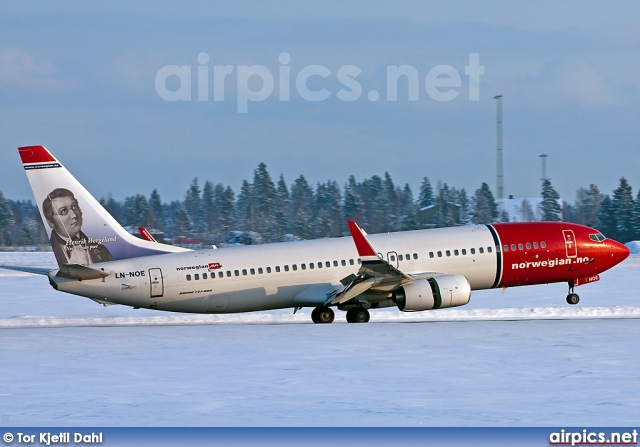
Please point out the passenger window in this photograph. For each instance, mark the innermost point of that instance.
(335, 263)
(528, 245)
(260, 271)
(204, 276)
(535, 245)
(351, 262)
(312, 265)
(188, 277)
(196, 276)
(268, 269)
(505, 248)
(415, 256)
(439, 254)
(252, 271)
(448, 252)
(303, 266)
(400, 258)
(286, 268)
(295, 267)
(489, 249)
(473, 251)
(431, 254)
(229, 273)
(408, 257)
(343, 262)
(464, 251)
(392, 258)
(520, 247)
(236, 272)
(319, 265)
(481, 250)
(456, 252)
(220, 274)
(244, 272)
(513, 247)
(328, 264)
(543, 244)
(277, 269)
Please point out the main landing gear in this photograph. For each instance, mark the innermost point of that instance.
(322, 315)
(325, 315)
(572, 298)
(357, 315)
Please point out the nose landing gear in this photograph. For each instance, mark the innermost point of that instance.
(572, 298)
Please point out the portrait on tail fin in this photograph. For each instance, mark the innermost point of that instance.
(70, 245)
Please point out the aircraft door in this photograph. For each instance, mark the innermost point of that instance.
(570, 243)
(392, 258)
(157, 282)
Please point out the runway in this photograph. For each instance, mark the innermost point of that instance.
(303, 317)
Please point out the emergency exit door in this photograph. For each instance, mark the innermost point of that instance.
(157, 284)
(570, 243)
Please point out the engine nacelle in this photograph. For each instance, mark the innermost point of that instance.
(434, 293)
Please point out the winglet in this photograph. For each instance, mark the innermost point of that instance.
(365, 250)
(146, 235)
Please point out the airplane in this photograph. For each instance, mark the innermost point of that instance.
(412, 270)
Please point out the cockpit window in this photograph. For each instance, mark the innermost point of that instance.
(598, 237)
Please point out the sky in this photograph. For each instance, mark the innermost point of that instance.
(309, 91)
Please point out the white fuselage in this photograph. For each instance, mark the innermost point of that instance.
(274, 276)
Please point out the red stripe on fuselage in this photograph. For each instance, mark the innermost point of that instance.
(560, 260)
(35, 154)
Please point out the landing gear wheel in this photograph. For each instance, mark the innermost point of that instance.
(573, 298)
(322, 315)
(357, 315)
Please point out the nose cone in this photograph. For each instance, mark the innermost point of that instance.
(619, 252)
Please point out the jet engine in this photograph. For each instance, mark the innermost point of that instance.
(433, 293)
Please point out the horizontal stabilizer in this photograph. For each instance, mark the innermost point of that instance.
(34, 270)
(81, 272)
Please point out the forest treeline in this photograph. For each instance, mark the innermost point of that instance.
(265, 210)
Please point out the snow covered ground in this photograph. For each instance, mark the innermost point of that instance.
(516, 359)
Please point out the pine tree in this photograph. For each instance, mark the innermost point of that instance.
(408, 218)
(193, 205)
(607, 218)
(485, 209)
(282, 213)
(264, 196)
(635, 218)
(465, 207)
(302, 209)
(391, 205)
(208, 211)
(5, 216)
(354, 207)
(623, 206)
(549, 207)
(157, 211)
(224, 209)
(137, 211)
(243, 217)
(426, 194)
(587, 205)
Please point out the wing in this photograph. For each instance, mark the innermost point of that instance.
(375, 273)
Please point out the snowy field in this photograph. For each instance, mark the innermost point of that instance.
(522, 358)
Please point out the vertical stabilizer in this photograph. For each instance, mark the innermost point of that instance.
(81, 231)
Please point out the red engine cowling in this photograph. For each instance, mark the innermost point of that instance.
(434, 293)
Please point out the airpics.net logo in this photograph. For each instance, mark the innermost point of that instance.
(313, 83)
